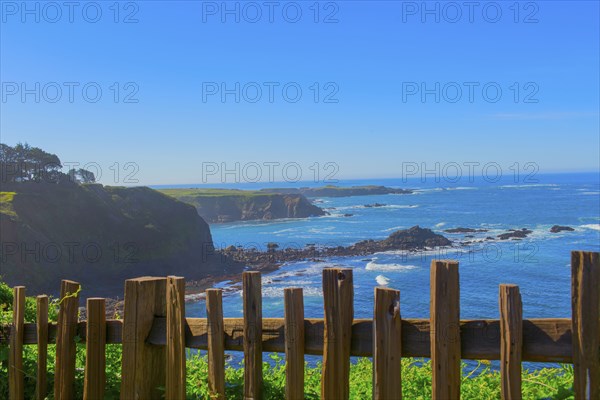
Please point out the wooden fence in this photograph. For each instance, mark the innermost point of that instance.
(154, 334)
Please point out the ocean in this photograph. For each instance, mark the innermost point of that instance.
(539, 264)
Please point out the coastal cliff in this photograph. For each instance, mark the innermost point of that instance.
(223, 205)
(99, 236)
(337, 191)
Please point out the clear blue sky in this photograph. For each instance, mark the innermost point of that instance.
(374, 56)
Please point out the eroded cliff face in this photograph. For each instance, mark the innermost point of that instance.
(244, 207)
(100, 236)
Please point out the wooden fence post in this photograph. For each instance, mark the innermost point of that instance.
(16, 376)
(585, 302)
(252, 335)
(511, 341)
(387, 342)
(445, 330)
(175, 381)
(216, 343)
(66, 348)
(143, 365)
(338, 292)
(41, 387)
(95, 351)
(294, 343)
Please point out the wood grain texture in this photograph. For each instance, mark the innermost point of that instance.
(143, 364)
(66, 350)
(215, 343)
(387, 345)
(585, 303)
(95, 351)
(511, 341)
(445, 332)
(252, 329)
(175, 366)
(16, 376)
(294, 343)
(338, 292)
(544, 339)
(41, 310)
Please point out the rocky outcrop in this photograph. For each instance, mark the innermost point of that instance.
(515, 234)
(374, 205)
(560, 228)
(413, 239)
(221, 205)
(99, 236)
(464, 230)
(337, 191)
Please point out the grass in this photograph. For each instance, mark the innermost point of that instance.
(6, 203)
(179, 193)
(480, 383)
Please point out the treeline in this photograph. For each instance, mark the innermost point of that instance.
(24, 163)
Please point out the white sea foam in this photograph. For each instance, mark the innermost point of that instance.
(595, 227)
(428, 190)
(382, 280)
(395, 228)
(387, 206)
(277, 291)
(374, 266)
(285, 230)
(440, 224)
(531, 185)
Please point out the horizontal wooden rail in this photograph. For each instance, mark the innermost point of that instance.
(544, 340)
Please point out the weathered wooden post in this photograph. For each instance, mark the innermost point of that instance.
(585, 301)
(143, 365)
(66, 348)
(511, 341)
(338, 296)
(16, 377)
(445, 330)
(387, 345)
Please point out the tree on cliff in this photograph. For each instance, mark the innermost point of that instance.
(82, 175)
(24, 163)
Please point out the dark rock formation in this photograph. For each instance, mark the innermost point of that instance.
(464, 230)
(412, 239)
(515, 234)
(560, 228)
(415, 238)
(374, 205)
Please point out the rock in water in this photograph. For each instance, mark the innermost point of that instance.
(415, 238)
(515, 234)
(560, 228)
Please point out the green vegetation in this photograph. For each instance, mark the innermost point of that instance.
(480, 383)
(212, 192)
(24, 163)
(6, 203)
(98, 234)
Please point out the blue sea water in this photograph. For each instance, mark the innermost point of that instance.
(539, 264)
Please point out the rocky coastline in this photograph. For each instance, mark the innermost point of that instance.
(412, 239)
